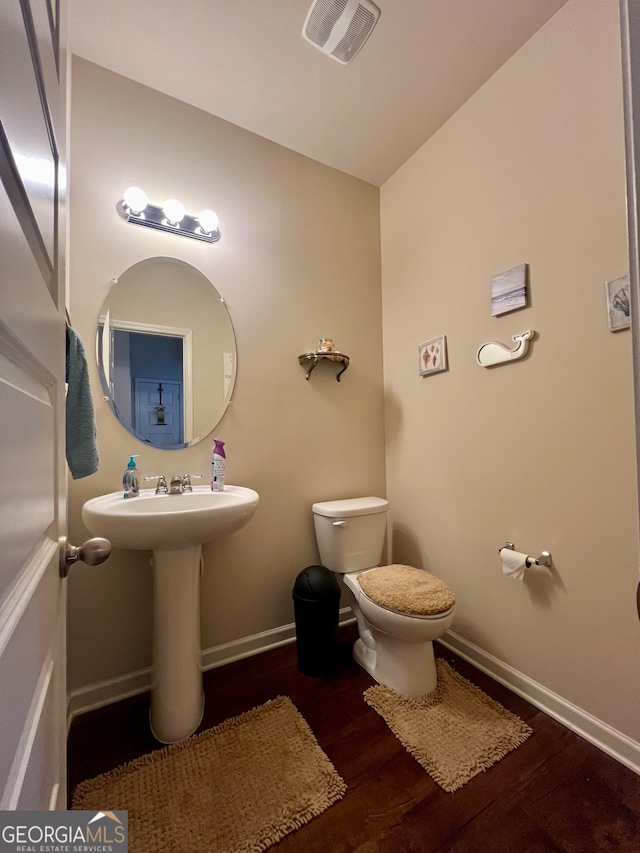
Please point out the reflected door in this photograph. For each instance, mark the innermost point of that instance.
(148, 380)
(158, 412)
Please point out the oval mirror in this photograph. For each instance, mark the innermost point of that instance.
(166, 353)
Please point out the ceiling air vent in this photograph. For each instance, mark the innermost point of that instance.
(339, 28)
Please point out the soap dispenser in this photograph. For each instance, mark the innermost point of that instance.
(130, 481)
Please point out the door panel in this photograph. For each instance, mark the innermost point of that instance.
(26, 307)
(30, 512)
(25, 124)
(39, 781)
(34, 626)
(46, 50)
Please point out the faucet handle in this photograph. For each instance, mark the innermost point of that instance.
(186, 481)
(161, 486)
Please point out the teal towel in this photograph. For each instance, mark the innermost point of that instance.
(81, 446)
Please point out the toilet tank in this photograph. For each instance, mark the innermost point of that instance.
(350, 533)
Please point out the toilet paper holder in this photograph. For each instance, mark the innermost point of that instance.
(543, 560)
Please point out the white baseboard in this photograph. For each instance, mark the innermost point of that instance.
(247, 646)
(113, 690)
(605, 737)
(600, 734)
(107, 692)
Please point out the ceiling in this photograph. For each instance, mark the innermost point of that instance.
(247, 62)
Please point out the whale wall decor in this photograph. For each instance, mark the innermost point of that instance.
(492, 353)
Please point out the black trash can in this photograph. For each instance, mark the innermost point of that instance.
(316, 602)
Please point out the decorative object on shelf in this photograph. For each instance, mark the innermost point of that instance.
(509, 290)
(326, 345)
(491, 353)
(171, 217)
(326, 352)
(433, 356)
(618, 303)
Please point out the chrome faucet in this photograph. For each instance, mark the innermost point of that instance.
(179, 484)
(186, 481)
(176, 486)
(161, 485)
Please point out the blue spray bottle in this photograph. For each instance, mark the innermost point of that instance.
(217, 466)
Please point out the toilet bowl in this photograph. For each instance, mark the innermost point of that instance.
(400, 610)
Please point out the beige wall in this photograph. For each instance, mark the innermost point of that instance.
(540, 451)
(299, 259)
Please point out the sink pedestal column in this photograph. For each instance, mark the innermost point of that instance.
(177, 700)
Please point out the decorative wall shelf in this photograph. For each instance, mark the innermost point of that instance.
(310, 359)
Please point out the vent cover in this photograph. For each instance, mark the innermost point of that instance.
(339, 28)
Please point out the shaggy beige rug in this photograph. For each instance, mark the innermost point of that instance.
(455, 732)
(240, 786)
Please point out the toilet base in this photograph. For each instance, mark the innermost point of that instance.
(407, 668)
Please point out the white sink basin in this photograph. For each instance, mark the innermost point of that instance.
(169, 522)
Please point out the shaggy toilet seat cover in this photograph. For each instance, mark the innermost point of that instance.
(405, 589)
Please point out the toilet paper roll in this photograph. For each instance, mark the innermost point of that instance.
(513, 563)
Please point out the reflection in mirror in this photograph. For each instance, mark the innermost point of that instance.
(166, 353)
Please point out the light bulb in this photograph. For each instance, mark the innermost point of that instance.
(135, 199)
(174, 210)
(208, 220)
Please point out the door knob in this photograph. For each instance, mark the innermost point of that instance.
(92, 552)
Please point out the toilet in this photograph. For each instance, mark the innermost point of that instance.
(400, 610)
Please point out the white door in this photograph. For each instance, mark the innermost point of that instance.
(32, 362)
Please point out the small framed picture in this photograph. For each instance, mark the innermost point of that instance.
(433, 356)
(509, 290)
(618, 303)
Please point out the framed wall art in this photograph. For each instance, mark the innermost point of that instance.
(618, 305)
(433, 356)
(509, 290)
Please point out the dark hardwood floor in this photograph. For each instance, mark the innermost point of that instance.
(555, 793)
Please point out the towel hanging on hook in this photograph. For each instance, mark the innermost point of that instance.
(81, 444)
(67, 343)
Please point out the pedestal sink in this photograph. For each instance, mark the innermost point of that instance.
(174, 527)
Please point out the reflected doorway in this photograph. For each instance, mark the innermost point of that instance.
(149, 384)
(150, 395)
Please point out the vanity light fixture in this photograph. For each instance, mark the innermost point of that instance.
(171, 216)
